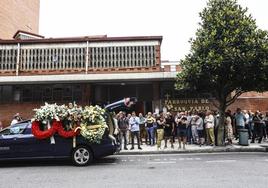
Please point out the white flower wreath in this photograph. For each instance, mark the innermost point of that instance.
(93, 123)
(49, 112)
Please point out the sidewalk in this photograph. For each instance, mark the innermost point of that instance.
(255, 147)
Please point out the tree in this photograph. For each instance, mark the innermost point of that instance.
(228, 55)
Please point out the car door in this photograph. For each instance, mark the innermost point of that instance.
(17, 141)
(62, 146)
(32, 147)
(9, 145)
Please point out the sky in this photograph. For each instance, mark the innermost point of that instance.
(175, 20)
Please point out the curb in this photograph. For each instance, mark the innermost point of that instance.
(212, 150)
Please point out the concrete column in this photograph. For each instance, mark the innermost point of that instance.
(86, 96)
(156, 91)
(156, 103)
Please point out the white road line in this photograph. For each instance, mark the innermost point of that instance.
(157, 159)
(124, 160)
(221, 161)
(162, 162)
(266, 160)
(189, 159)
(173, 159)
(131, 160)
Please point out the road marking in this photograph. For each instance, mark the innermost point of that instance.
(221, 161)
(157, 159)
(173, 159)
(189, 159)
(266, 160)
(162, 162)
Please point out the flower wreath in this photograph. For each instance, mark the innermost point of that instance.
(93, 123)
(49, 116)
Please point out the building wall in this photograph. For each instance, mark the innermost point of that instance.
(16, 102)
(252, 104)
(254, 94)
(8, 110)
(18, 15)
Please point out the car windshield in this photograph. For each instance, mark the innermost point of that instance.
(14, 129)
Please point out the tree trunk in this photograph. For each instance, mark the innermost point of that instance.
(221, 127)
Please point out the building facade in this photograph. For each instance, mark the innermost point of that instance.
(96, 70)
(87, 70)
(18, 15)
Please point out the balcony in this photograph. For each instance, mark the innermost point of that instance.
(79, 56)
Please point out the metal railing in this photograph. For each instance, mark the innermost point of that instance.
(74, 56)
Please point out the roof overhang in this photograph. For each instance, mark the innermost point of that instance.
(90, 78)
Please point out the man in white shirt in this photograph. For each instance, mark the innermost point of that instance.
(16, 119)
(134, 128)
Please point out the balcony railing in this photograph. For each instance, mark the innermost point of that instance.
(83, 57)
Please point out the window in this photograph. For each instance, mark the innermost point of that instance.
(14, 129)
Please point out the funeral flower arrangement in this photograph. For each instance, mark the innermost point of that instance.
(93, 124)
(88, 121)
(48, 112)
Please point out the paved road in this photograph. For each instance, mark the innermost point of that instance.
(174, 170)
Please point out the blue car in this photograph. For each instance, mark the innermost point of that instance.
(18, 142)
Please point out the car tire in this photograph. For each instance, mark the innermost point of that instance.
(82, 156)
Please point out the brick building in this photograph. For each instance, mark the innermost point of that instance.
(96, 69)
(88, 70)
(18, 15)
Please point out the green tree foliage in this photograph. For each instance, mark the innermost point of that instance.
(229, 54)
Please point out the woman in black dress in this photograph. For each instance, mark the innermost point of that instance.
(168, 129)
(181, 130)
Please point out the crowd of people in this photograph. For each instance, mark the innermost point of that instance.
(186, 128)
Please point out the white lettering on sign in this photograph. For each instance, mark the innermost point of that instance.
(187, 104)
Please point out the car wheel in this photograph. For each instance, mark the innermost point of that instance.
(82, 156)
